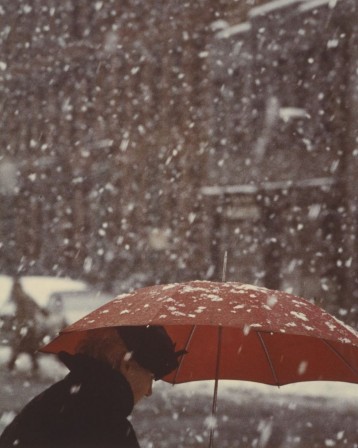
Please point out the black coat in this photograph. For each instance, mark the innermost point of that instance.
(88, 408)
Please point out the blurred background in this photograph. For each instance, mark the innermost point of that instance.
(141, 140)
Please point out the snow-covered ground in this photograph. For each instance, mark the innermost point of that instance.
(317, 397)
(327, 389)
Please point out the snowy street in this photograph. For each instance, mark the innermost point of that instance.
(249, 415)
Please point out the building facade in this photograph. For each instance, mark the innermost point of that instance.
(283, 172)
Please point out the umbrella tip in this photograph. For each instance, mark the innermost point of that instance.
(223, 278)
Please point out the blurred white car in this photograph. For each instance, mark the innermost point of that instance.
(73, 305)
(64, 300)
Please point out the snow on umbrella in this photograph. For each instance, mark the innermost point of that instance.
(232, 331)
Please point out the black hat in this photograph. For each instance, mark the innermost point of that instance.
(152, 348)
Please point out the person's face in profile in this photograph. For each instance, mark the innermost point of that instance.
(139, 378)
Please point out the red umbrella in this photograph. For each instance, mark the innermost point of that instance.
(233, 331)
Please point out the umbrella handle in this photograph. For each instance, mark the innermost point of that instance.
(215, 397)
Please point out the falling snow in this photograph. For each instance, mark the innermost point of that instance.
(145, 144)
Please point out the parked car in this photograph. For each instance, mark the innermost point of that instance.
(66, 307)
(63, 300)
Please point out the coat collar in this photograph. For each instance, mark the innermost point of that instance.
(108, 387)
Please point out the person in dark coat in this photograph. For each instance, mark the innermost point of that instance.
(113, 369)
(27, 331)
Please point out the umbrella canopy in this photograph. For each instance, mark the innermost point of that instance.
(232, 331)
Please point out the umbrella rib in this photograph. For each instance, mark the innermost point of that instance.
(186, 349)
(340, 356)
(264, 346)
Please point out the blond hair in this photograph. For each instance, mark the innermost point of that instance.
(105, 345)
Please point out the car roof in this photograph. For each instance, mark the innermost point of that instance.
(40, 288)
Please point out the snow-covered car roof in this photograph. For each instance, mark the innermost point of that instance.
(40, 288)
